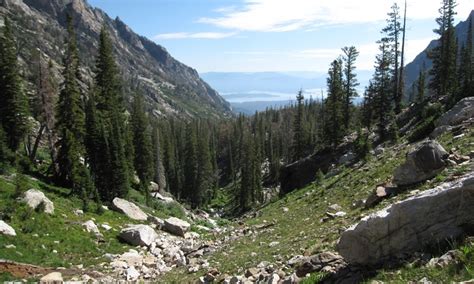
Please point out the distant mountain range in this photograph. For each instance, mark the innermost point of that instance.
(170, 87)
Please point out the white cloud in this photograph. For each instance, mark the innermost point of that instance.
(200, 35)
(289, 15)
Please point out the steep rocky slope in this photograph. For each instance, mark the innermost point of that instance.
(171, 88)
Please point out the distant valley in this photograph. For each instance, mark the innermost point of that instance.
(250, 92)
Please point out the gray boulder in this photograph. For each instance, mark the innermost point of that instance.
(327, 260)
(425, 161)
(176, 226)
(433, 216)
(138, 235)
(128, 208)
(33, 198)
(6, 229)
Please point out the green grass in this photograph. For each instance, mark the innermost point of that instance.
(38, 234)
(454, 272)
(300, 230)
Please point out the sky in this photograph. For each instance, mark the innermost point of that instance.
(273, 35)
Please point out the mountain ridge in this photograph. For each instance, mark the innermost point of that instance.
(171, 88)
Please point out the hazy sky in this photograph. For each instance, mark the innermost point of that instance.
(273, 35)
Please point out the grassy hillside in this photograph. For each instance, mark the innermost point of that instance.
(296, 220)
(59, 240)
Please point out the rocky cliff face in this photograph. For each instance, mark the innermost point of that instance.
(170, 87)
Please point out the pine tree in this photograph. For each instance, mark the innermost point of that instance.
(159, 173)
(14, 107)
(368, 106)
(247, 173)
(70, 121)
(350, 81)
(392, 41)
(420, 86)
(298, 129)
(383, 99)
(108, 128)
(334, 118)
(191, 165)
(466, 67)
(6, 156)
(443, 72)
(205, 179)
(143, 161)
(401, 79)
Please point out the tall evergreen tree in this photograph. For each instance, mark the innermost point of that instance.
(334, 118)
(401, 79)
(191, 165)
(383, 100)
(70, 122)
(159, 173)
(205, 178)
(466, 67)
(298, 129)
(350, 81)
(443, 73)
(392, 40)
(247, 183)
(114, 178)
(143, 160)
(420, 86)
(14, 107)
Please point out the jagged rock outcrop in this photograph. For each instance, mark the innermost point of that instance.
(129, 208)
(425, 161)
(33, 198)
(138, 235)
(171, 88)
(434, 216)
(6, 229)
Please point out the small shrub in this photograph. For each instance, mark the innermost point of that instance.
(362, 146)
(319, 177)
(21, 185)
(314, 278)
(422, 130)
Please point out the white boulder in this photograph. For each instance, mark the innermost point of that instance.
(6, 229)
(33, 198)
(138, 235)
(129, 208)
